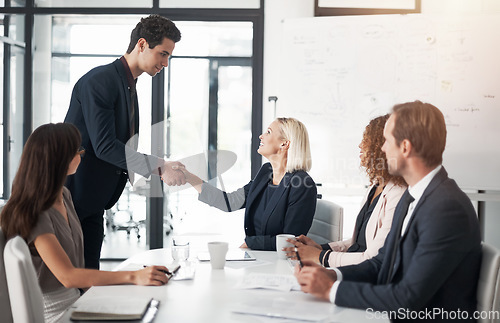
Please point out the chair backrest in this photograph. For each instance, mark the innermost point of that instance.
(327, 222)
(26, 298)
(488, 290)
(5, 312)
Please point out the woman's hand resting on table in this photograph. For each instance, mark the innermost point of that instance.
(151, 276)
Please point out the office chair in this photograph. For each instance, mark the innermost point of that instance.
(25, 295)
(488, 289)
(129, 225)
(5, 312)
(327, 222)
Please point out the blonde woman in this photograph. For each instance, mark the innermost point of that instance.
(282, 197)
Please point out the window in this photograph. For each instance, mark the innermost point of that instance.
(95, 3)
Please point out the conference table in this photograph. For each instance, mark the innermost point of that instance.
(223, 295)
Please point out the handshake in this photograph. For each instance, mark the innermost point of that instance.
(174, 173)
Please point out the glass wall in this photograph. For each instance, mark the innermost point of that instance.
(12, 97)
(95, 3)
(234, 121)
(210, 55)
(16, 3)
(2, 70)
(16, 108)
(218, 39)
(210, 92)
(75, 51)
(209, 52)
(210, 86)
(244, 4)
(188, 100)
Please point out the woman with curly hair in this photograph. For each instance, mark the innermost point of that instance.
(375, 217)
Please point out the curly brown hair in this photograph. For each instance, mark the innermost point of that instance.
(373, 158)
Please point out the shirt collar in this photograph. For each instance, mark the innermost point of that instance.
(418, 189)
(130, 78)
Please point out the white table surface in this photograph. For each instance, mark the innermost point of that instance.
(210, 296)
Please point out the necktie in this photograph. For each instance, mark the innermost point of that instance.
(407, 199)
(133, 125)
(133, 95)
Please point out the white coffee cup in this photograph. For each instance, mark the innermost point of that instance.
(282, 243)
(218, 251)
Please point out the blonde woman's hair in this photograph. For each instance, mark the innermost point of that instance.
(299, 151)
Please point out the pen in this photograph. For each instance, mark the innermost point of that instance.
(169, 273)
(298, 258)
(151, 311)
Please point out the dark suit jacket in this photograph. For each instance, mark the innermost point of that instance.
(437, 264)
(291, 209)
(100, 108)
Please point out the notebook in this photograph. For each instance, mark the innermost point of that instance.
(117, 308)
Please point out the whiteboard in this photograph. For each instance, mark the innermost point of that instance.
(337, 73)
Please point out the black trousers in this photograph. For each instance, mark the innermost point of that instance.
(93, 235)
(93, 226)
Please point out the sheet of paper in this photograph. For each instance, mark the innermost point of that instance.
(269, 281)
(186, 271)
(285, 309)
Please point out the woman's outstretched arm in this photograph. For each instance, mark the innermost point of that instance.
(56, 259)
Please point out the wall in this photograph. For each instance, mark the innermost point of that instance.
(492, 208)
(460, 6)
(277, 10)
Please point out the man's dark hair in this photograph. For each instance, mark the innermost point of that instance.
(154, 29)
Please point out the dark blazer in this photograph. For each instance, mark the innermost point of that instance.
(291, 209)
(100, 108)
(437, 263)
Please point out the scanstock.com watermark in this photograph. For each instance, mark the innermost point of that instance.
(431, 314)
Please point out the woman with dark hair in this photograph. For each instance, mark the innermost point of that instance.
(41, 211)
(375, 217)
